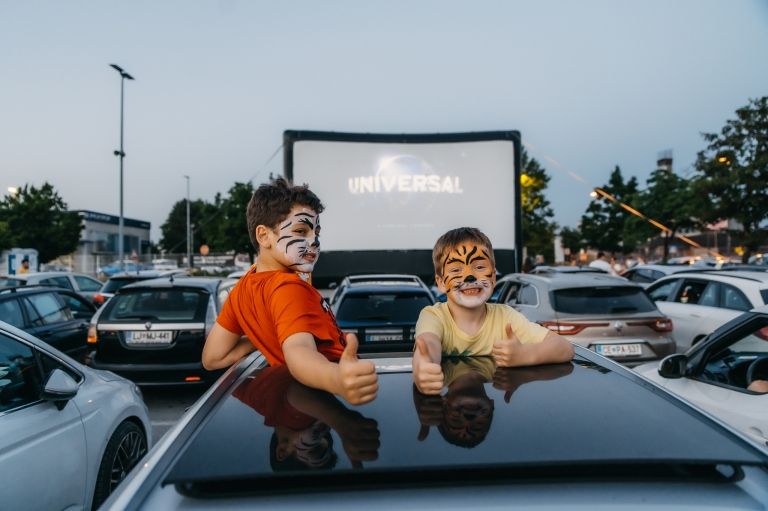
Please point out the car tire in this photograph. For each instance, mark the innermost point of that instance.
(125, 449)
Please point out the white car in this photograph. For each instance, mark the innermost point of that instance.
(698, 302)
(718, 374)
(70, 434)
(646, 274)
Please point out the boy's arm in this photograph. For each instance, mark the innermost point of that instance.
(510, 352)
(427, 373)
(352, 379)
(223, 348)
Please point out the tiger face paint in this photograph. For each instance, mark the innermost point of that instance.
(298, 239)
(468, 275)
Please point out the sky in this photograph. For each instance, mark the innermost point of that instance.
(589, 84)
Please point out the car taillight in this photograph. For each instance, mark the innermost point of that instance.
(93, 335)
(99, 299)
(566, 328)
(658, 324)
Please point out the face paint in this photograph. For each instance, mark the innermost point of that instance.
(468, 275)
(298, 241)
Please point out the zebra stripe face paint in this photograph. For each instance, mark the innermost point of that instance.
(298, 241)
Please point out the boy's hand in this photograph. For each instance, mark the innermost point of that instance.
(427, 375)
(358, 383)
(507, 351)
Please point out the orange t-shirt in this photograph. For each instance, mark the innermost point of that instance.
(268, 307)
(267, 393)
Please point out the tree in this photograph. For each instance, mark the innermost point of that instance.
(572, 240)
(38, 218)
(174, 229)
(733, 172)
(537, 224)
(667, 199)
(232, 228)
(604, 224)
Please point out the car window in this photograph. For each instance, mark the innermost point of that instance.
(58, 282)
(690, 292)
(80, 308)
(49, 364)
(377, 307)
(112, 285)
(656, 274)
(158, 305)
(734, 299)
(527, 295)
(640, 275)
(50, 308)
(731, 365)
(87, 283)
(711, 295)
(498, 289)
(10, 312)
(662, 291)
(601, 300)
(764, 294)
(509, 296)
(11, 282)
(19, 374)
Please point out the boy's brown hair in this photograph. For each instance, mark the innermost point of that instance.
(271, 203)
(452, 239)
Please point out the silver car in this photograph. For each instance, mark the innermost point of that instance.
(69, 434)
(604, 313)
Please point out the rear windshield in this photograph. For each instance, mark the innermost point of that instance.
(158, 305)
(601, 300)
(382, 307)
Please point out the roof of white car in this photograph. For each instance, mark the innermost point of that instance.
(759, 277)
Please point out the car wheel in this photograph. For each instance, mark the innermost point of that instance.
(124, 450)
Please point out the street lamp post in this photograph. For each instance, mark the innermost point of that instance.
(189, 229)
(121, 154)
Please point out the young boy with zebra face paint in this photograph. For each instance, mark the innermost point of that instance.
(465, 325)
(274, 310)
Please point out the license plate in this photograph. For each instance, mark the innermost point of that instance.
(150, 337)
(619, 350)
(383, 337)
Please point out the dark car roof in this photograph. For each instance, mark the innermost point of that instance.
(589, 417)
(210, 284)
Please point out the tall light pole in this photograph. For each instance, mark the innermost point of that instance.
(121, 154)
(189, 229)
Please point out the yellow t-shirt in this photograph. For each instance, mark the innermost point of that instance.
(437, 319)
(458, 367)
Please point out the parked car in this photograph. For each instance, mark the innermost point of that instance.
(56, 316)
(699, 302)
(106, 271)
(381, 310)
(590, 433)
(70, 434)
(153, 331)
(645, 274)
(715, 373)
(605, 313)
(83, 285)
(567, 269)
(118, 280)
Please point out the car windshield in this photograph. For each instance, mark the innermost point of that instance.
(601, 300)
(378, 307)
(158, 305)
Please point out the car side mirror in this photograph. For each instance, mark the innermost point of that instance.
(673, 366)
(59, 388)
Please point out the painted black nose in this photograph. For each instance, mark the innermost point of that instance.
(470, 278)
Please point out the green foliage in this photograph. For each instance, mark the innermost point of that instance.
(572, 240)
(733, 172)
(604, 225)
(232, 229)
(174, 229)
(538, 227)
(38, 218)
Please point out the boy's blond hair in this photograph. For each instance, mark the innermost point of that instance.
(452, 239)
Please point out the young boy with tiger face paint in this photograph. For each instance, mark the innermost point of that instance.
(465, 325)
(274, 310)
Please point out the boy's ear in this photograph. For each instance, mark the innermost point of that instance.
(263, 236)
(440, 284)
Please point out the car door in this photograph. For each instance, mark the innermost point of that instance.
(51, 320)
(42, 449)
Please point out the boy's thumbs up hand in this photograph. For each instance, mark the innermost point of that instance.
(427, 375)
(507, 350)
(358, 383)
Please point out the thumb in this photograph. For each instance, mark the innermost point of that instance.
(350, 351)
(423, 432)
(421, 345)
(508, 331)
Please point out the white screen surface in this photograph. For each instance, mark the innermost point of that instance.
(403, 196)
